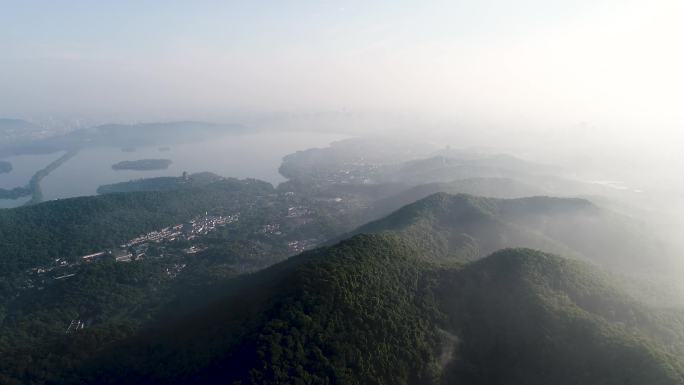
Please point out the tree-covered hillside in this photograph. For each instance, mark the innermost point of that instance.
(525, 317)
(466, 227)
(70, 228)
(402, 306)
(178, 244)
(375, 310)
(305, 319)
(161, 183)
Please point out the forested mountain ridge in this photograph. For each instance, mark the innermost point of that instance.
(422, 295)
(294, 321)
(405, 306)
(375, 309)
(534, 318)
(468, 227)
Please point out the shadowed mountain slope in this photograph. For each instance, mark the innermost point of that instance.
(375, 310)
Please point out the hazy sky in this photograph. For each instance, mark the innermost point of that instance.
(617, 65)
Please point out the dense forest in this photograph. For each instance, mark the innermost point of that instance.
(45, 285)
(70, 228)
(343, 274)
(401, 307)
(374, 310)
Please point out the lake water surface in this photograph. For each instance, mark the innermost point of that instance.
(242, 156)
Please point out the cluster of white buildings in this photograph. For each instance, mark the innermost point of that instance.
(302, 245)
(165, 234)
(201, 225)
(207, 223)
(135, 248)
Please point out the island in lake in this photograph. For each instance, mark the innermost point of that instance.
(143, 164)
(5, 167)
